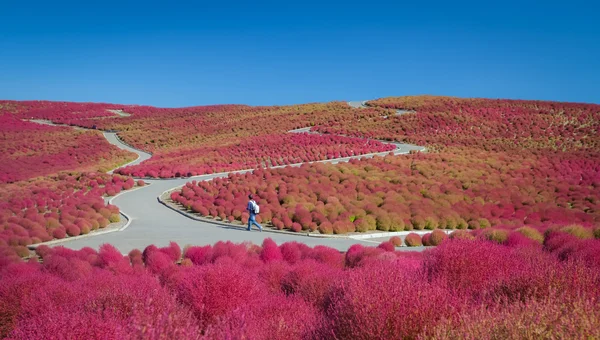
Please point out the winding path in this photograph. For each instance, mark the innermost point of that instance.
(363, 104)
(154, 223)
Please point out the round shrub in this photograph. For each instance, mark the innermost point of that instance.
(327, 228)
(84, 230)
(516, 239)
(473, 224)
(296, 227)
(114, 218)
(426, 239)
(59, 233)
(396, 241)
(22, 251)
(199, 255)
(397, 223)
(197, 207)
(387, 246)
(418, 223)
(578, 231)
(437, 237)
(461, 235)
(365, 224)
(531, 233)
(341, 227)
(270, 251)
(413, 240)
(484, 223)
(140, 183)
(73, 230)
(277, 223)
(495, 235)
(431, 223)
(384, 222)
(94, 225)
(103, 222)
(461, 224)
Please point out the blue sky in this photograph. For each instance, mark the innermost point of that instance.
(271, 53)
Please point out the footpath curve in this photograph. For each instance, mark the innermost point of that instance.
(150, 222)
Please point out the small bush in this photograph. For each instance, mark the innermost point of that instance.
(387, 246)
(396, 241)
(73, 230)
(413, 240)
(531, 233)
(437, 237)
(270, 251)
(22, 251)
(578, 231)
(114, 218)
(495, 235)
(326, 228)
(59, 233)
(199, 255)
(277, 223)
(173, 251)
(103, 222)
(461, 235)
(426, 239)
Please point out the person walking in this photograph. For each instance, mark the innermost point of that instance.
(253, 209)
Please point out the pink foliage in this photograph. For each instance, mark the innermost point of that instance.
(292, 290)
(270, 251)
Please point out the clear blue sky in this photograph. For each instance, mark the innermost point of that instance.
(264, 53)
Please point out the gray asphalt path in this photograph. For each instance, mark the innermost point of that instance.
(113, 139)
(119, 113)
(362, 105)
(153, 223)
(357, 104)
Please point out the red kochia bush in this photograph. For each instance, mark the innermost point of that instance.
(199, 255)
(115, 306)
(387, 246)
(486, 265)
(459, 286)
(212, 291)
(437, 237)
(270, 318)
(270, 251)
(292, 251)
(360, 309)
(156, 261)
(413, 240)
(396, 241)
(310, 280)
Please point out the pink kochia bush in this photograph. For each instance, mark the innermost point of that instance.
(462, 288)
(68, 204)
(263, 151)
(415, 192)
(29, 150)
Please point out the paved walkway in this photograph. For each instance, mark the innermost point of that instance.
(153, 223)
(362, 105)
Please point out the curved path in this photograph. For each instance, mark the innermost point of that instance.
(154, 223)
(363, 104)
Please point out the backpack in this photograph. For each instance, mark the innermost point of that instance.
(255, 207)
